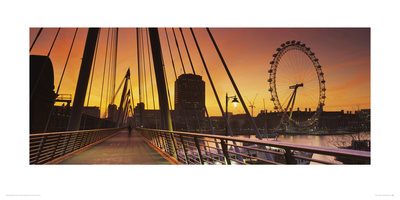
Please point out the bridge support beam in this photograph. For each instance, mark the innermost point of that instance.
(123, 96)
(161, 86)
(83, 80)
(160, 79)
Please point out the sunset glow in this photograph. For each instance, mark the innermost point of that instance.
(344, 54)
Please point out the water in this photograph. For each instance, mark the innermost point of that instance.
(333, 141)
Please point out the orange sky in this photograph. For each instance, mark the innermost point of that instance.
(344, 54)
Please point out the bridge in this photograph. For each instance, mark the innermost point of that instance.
(124, 135)
(159, 147)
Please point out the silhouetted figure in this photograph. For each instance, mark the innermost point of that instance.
(129, 129)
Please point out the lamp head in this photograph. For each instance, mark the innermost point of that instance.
(235, 101)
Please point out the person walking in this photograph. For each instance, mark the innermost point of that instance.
(129, 129)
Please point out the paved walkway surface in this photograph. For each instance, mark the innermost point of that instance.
(122, 148)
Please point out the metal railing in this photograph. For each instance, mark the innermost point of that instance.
(195, 148)
(45, 147)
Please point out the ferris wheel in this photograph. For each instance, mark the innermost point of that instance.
(296, 80)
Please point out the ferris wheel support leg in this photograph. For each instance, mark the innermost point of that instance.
(294, 98)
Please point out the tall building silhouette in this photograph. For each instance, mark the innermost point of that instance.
(112, 112)
(42, 93)
(189, 102)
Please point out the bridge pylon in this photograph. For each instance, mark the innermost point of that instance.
(83, 80)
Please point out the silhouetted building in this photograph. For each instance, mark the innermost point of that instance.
(239, 121)
(328, 121)
(59, 118)
(42, 94)
(92, 111)
(148, 118)
(189, 102)
(42, 98)
(139, 114)
(217, 122)
(112, 112)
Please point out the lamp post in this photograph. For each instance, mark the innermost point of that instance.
(235, 102)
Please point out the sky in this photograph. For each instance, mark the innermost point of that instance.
(343, 53)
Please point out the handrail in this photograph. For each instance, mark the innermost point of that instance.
(191, 148)
(45, 147)
(63, 132)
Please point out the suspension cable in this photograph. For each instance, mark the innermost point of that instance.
(115, 60)
(191, 64)
(166, 83)
(44, 64)
(91, 80)
(108, 98)
(113, 66)
(166, 80)
(104, 72)
(176, 78)
(198, 48)
(212, 83)
(66, 62)
(132, 103)
(187, 51)
(234, 85)
(169, 47)
(59, 84)
(139, 73)
(34, 41)
(214, 90)
(177, 46)
(144, 72)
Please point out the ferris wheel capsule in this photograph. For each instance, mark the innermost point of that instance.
(270, 89)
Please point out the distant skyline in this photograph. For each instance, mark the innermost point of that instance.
(344, 54)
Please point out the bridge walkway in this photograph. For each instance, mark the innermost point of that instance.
(122, 148)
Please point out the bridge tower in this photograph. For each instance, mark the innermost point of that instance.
(83, 79)
(161, 87)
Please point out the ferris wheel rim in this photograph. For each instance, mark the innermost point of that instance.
(290, 46)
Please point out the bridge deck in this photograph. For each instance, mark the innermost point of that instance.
(122, 148)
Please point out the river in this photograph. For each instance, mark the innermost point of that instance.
(333, 141)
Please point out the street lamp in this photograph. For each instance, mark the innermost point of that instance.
(235, 102)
